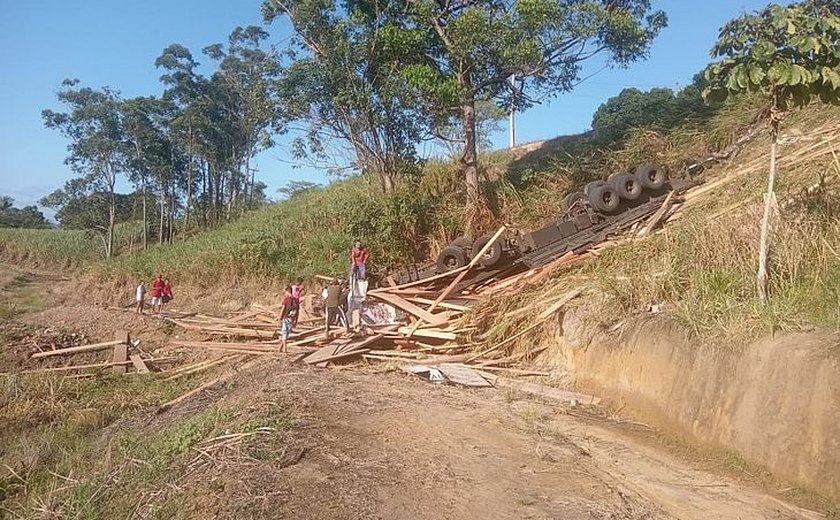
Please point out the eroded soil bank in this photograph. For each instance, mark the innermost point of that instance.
(775, 402)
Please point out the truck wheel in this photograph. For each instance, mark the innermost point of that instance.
(451, 258)
(462, 242)
(493, 255)
(571, 198)
(627, 186)
(604, 199)
(587, 190)
(651, 176)
(613, 175)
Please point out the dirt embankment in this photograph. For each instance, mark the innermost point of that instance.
(776, 402)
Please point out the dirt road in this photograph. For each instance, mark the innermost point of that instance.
(374, 443)
(388, 446)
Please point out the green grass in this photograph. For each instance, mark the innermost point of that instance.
(309, 234)
(49, 247)
(91, 449)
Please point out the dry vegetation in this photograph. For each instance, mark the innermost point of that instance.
(700, 269)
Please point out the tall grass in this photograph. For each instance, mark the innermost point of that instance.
(49, 247)
(311, 233)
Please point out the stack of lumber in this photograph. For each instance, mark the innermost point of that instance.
(434, 325)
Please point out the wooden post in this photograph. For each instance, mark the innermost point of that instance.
(120, 352)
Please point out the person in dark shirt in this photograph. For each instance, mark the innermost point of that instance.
(333, 306)
(288, 311)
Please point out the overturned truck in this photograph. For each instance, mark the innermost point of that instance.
(604, 207)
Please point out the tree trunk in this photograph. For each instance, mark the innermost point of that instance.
(388, 183)
(145, 222)
(162, 196)
(190, 166)
(764, 242)
(112, 219)
(469, 160)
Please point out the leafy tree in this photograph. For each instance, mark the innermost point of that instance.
(455, 53)
(341, 88)
(26, 217)
(243, 85)
(97, 150)
(294, 187)
(790, 55)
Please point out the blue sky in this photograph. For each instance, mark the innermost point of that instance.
(103, 42)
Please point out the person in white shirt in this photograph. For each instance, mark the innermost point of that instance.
(140, 296)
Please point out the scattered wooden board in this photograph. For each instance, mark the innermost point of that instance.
(139, 364)
(407, 306)
(464, 376)
(76, 350)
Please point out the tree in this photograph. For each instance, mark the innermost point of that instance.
(790, 55)
(27, 217)
(295, 187)
(454, 53)
(97, 150)
(633, 108)
(342, 89)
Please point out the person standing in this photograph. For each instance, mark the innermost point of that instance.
(297, 290)
(333, 306)
(157, 293)
(166, 293)
(140, 297)
(288, 310)
(358, 258)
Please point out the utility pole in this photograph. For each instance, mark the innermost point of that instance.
(512, 120)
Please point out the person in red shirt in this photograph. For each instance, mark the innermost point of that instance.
(358, 257)
(166, 293)
(157, 293)
(288, 311)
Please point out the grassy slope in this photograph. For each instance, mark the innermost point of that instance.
(702, 265)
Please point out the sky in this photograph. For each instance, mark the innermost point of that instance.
(103, 42)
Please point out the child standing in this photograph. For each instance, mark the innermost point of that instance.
(140, 296)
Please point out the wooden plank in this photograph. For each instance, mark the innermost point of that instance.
(442, 305)
(139, 364)
(391, 281)
(76, 350)
(420, 282)
(65, 369)
(410, 308)
(429, 333)
(321, 354)
(657, 217)
(120, 356)
(361, 344)
(566, 298)
(342, 355)
(463, 376)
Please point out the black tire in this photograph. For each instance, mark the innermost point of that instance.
(462, 242)
(628, 186)
(587, 190)
(493, 255)
(604, 199)
(571, 198)
(651, 176)
(613, 175)
(451, 258)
